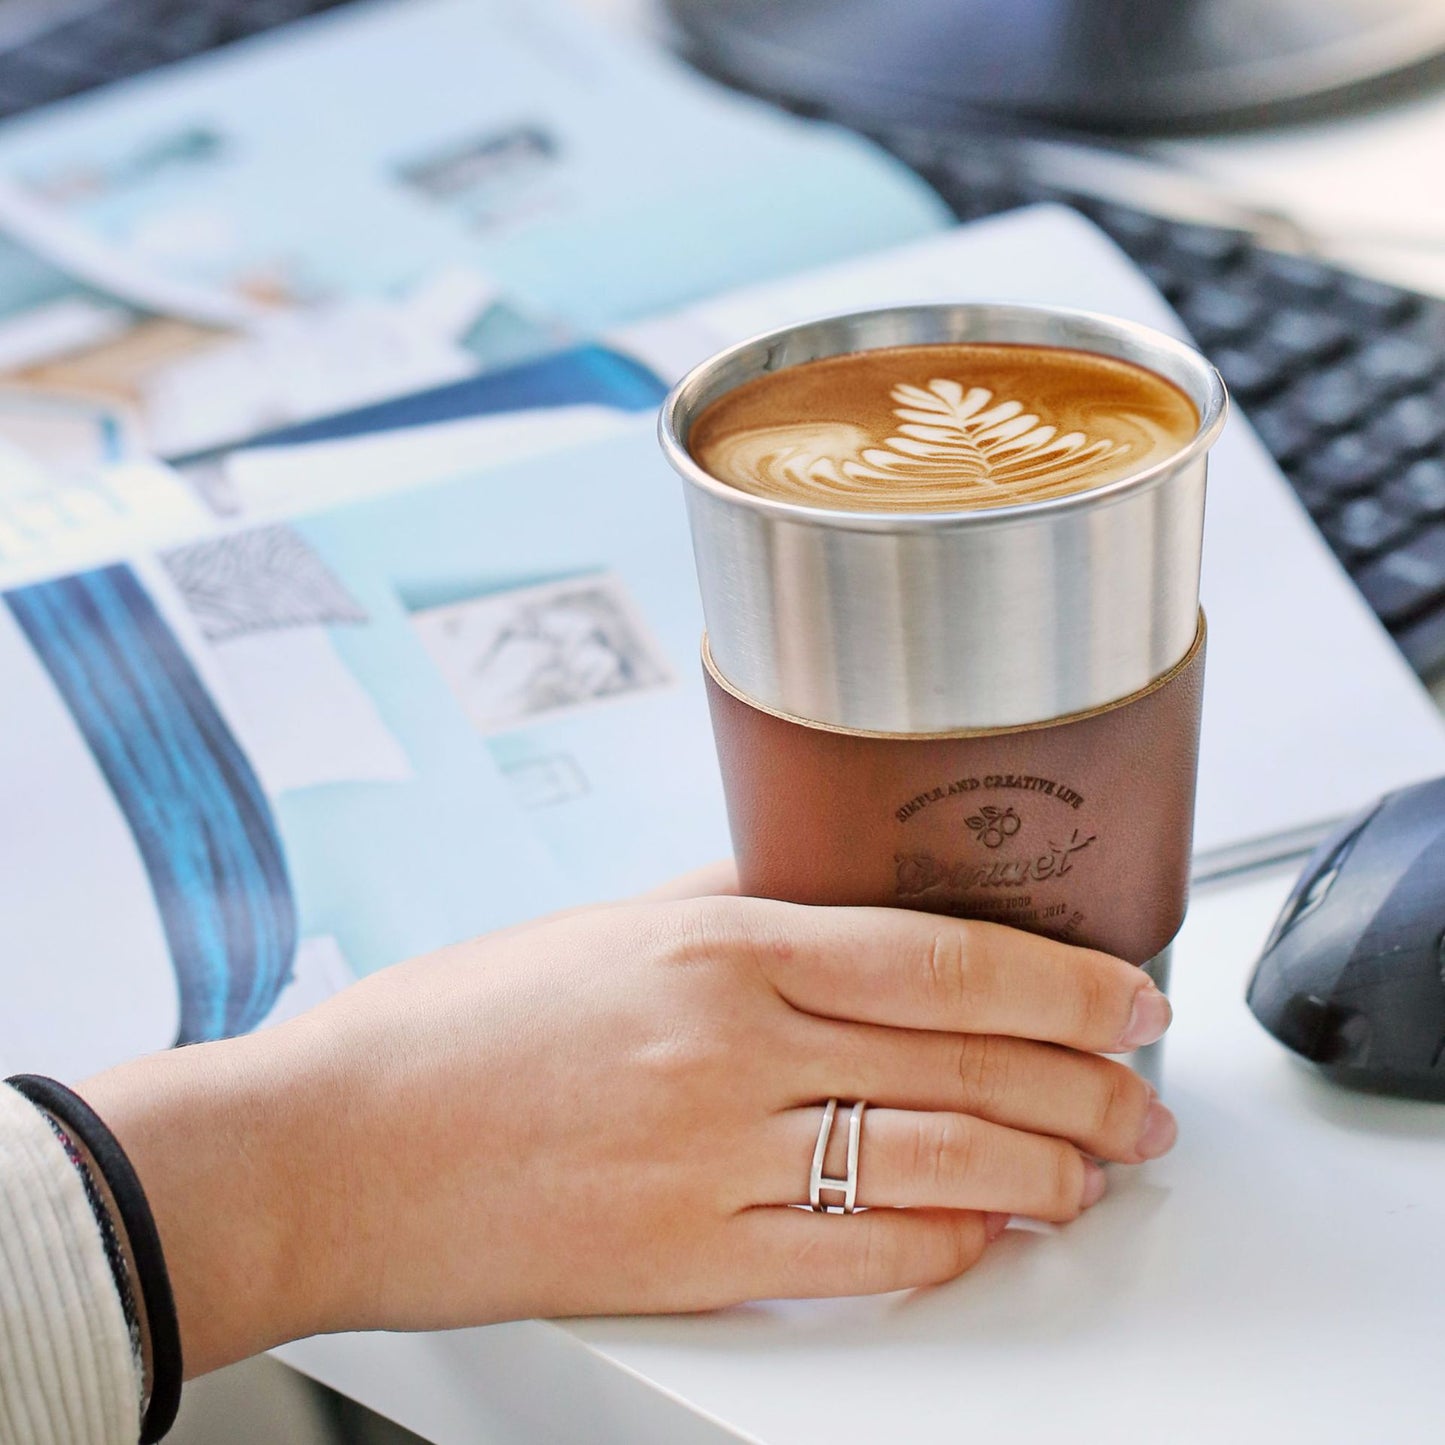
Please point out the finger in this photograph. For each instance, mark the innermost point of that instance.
(1100, 1105)
(712, 880)
(923, 971)
(795, 1254)
(912, 1160)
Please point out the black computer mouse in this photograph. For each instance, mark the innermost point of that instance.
(1353, 975)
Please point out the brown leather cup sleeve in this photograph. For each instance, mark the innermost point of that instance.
(1078, 829)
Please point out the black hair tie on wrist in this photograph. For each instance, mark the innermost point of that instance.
(84, 1124)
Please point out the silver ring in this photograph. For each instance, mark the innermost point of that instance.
(848, 1187)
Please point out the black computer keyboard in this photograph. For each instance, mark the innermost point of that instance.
(91, 45)
(1343, 377)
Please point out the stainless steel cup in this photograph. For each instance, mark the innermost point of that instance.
(880, 681)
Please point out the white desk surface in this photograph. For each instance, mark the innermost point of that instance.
(1280, 1277)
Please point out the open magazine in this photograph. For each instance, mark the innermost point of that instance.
(242, 759)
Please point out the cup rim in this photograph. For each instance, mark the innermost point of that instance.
(681, 403)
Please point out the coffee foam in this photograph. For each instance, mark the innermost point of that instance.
(941, 428)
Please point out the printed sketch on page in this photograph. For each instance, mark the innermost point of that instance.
(267, 603)
(533, 654)
(259, 580)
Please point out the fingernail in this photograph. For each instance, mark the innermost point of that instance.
(1094, 1183)
(1160, 1131)
(1149, 1019)
(994, 1225)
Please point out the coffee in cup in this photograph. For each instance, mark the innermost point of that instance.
(941, 428)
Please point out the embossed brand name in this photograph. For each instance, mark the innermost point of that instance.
(921, 874)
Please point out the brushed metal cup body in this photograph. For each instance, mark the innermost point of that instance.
(925, 623)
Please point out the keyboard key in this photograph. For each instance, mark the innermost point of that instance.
(1296, 278)
(1333, 399)
(1374, 303)
(1166, 276)
(1423, 643)
(987, 202)
(32, 82)
(1419, 492)
(1428, 325)
(1412, 424)
(118, 38)
(981, 166)
(1251, 374)
(1344, 466)
(1396, 362)
(57, 53)
(278, 12)
(187, 34)
(1285, 433)
(114, 23)
(1136, 231)
(1403, 584)
(258, 15)
(89, 42)
(1308, 335)
(1363, 527)
(1210, 245)
(1216, 314)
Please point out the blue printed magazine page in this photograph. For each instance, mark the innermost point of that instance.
(388, 197)
(243, 770)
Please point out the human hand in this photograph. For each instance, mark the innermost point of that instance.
(610, 1110)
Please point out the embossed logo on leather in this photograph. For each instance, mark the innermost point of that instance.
(992, 826)
(923, 875)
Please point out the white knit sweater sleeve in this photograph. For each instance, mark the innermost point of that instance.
(67, 1373)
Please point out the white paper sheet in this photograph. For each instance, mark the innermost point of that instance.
(54, 520)
(282, 481)
(337, 736)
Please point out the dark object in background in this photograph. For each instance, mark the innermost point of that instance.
(91, 44)
(1119, 65)
(1351, 977)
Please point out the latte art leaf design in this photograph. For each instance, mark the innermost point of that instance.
(953, 446)
(949, 433)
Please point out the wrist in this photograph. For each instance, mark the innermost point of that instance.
(223, 1150)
